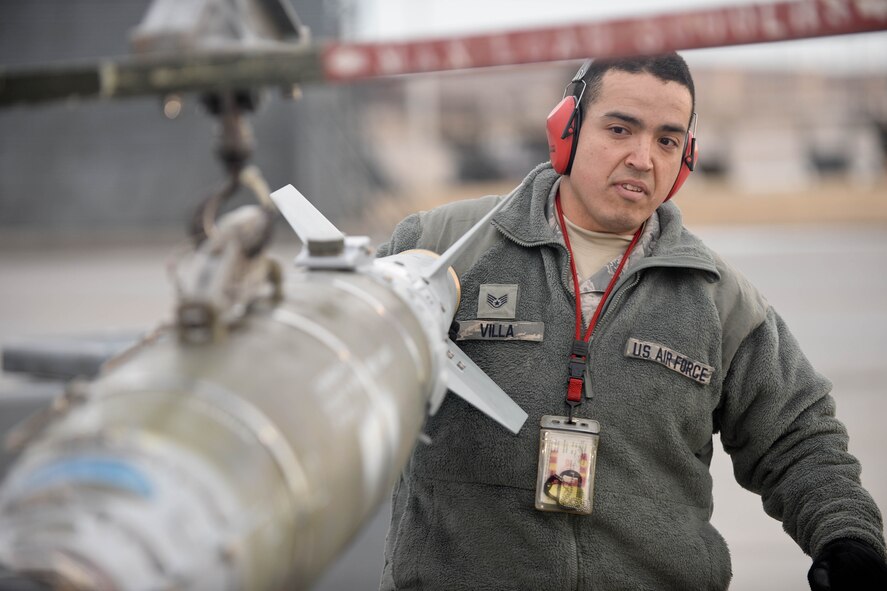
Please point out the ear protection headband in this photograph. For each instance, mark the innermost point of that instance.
(565, 120)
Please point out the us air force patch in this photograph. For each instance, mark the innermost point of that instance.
(497, 300)
(695, 370)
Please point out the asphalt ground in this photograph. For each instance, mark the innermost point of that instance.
(827, 281)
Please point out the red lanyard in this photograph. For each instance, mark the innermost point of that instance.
(580, 343)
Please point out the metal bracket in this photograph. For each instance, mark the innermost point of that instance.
(351, 253)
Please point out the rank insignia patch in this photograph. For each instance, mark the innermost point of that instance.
(497, 300)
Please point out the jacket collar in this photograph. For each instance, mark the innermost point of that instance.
(679, 247)
(524, 221)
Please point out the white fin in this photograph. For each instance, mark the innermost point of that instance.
(470, 383)
(316, 232)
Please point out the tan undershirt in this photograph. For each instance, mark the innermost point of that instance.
(593, 250)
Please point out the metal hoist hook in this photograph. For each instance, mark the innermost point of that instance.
(228, 273)
(234, 148)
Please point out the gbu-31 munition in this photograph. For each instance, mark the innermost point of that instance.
(243, 446)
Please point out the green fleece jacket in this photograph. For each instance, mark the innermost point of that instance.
(463, 513)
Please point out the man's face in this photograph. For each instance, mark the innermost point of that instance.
(629, 152)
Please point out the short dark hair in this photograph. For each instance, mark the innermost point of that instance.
(669, 67)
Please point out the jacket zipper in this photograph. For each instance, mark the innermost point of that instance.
(620, 292)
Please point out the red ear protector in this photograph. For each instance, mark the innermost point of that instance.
(688, 161)
(565, 120)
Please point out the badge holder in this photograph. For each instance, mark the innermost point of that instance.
(567, 457)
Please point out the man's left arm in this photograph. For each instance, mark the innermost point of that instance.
(777, 422)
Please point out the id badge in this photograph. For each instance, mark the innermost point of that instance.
(567, 457)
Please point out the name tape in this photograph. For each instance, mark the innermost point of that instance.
(481, 330)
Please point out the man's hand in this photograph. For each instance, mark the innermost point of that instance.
(848, 565)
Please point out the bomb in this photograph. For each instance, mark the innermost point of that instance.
(244, 444)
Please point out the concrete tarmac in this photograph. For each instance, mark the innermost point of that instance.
(828, 282)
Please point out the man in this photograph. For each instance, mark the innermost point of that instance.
(675, 346)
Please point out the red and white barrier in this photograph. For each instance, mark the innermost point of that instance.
(753, 23)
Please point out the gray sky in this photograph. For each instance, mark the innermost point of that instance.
(411, 19)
